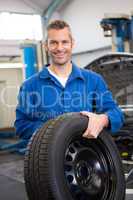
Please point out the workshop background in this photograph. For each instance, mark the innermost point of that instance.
(84, 18)
(22, 33)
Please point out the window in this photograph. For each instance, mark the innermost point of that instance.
(20, 26)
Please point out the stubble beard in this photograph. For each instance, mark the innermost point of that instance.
(58, 63)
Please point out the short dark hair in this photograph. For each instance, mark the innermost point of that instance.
(58, 25)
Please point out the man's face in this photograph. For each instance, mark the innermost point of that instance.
(59, 46)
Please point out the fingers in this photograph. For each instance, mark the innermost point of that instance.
(85, 113)
(87, 133)
(92, 133)
(96, 124)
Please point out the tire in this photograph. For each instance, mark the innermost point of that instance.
(62, 165)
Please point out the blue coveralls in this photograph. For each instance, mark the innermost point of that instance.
(42, 97)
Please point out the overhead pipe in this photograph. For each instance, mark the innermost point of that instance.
(45, 20)
(50, 10)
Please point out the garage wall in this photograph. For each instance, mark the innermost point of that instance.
(83, 59)
(84, 18)
(10, 48)
(10, 80)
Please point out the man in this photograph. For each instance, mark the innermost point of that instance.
(62, 87)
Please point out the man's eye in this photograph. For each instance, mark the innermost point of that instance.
(52, 42)
(65, 42)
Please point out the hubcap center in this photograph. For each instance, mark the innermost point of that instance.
(83, 172)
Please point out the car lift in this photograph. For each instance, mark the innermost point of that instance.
(120, 28)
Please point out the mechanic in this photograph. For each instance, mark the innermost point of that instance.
(63, 87)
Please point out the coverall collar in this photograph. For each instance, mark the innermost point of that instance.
(76, 73)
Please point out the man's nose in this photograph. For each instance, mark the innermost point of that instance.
(60, 46)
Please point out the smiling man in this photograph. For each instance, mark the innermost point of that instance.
(63, 87)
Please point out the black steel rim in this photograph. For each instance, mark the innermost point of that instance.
(89, 170)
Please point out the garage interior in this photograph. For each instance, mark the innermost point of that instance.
(22, 32)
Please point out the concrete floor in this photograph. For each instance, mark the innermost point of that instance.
(11, 177)
(12, 181)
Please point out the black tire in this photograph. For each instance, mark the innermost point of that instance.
(62, 165)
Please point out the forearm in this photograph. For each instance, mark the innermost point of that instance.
(25, 128)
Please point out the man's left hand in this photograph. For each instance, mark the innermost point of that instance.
(96, 124)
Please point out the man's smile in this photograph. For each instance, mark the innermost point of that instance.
(59, 55)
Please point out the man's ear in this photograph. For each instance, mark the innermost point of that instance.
(45, 45)
(73, 43)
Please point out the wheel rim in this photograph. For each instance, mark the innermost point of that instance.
(89, 170)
